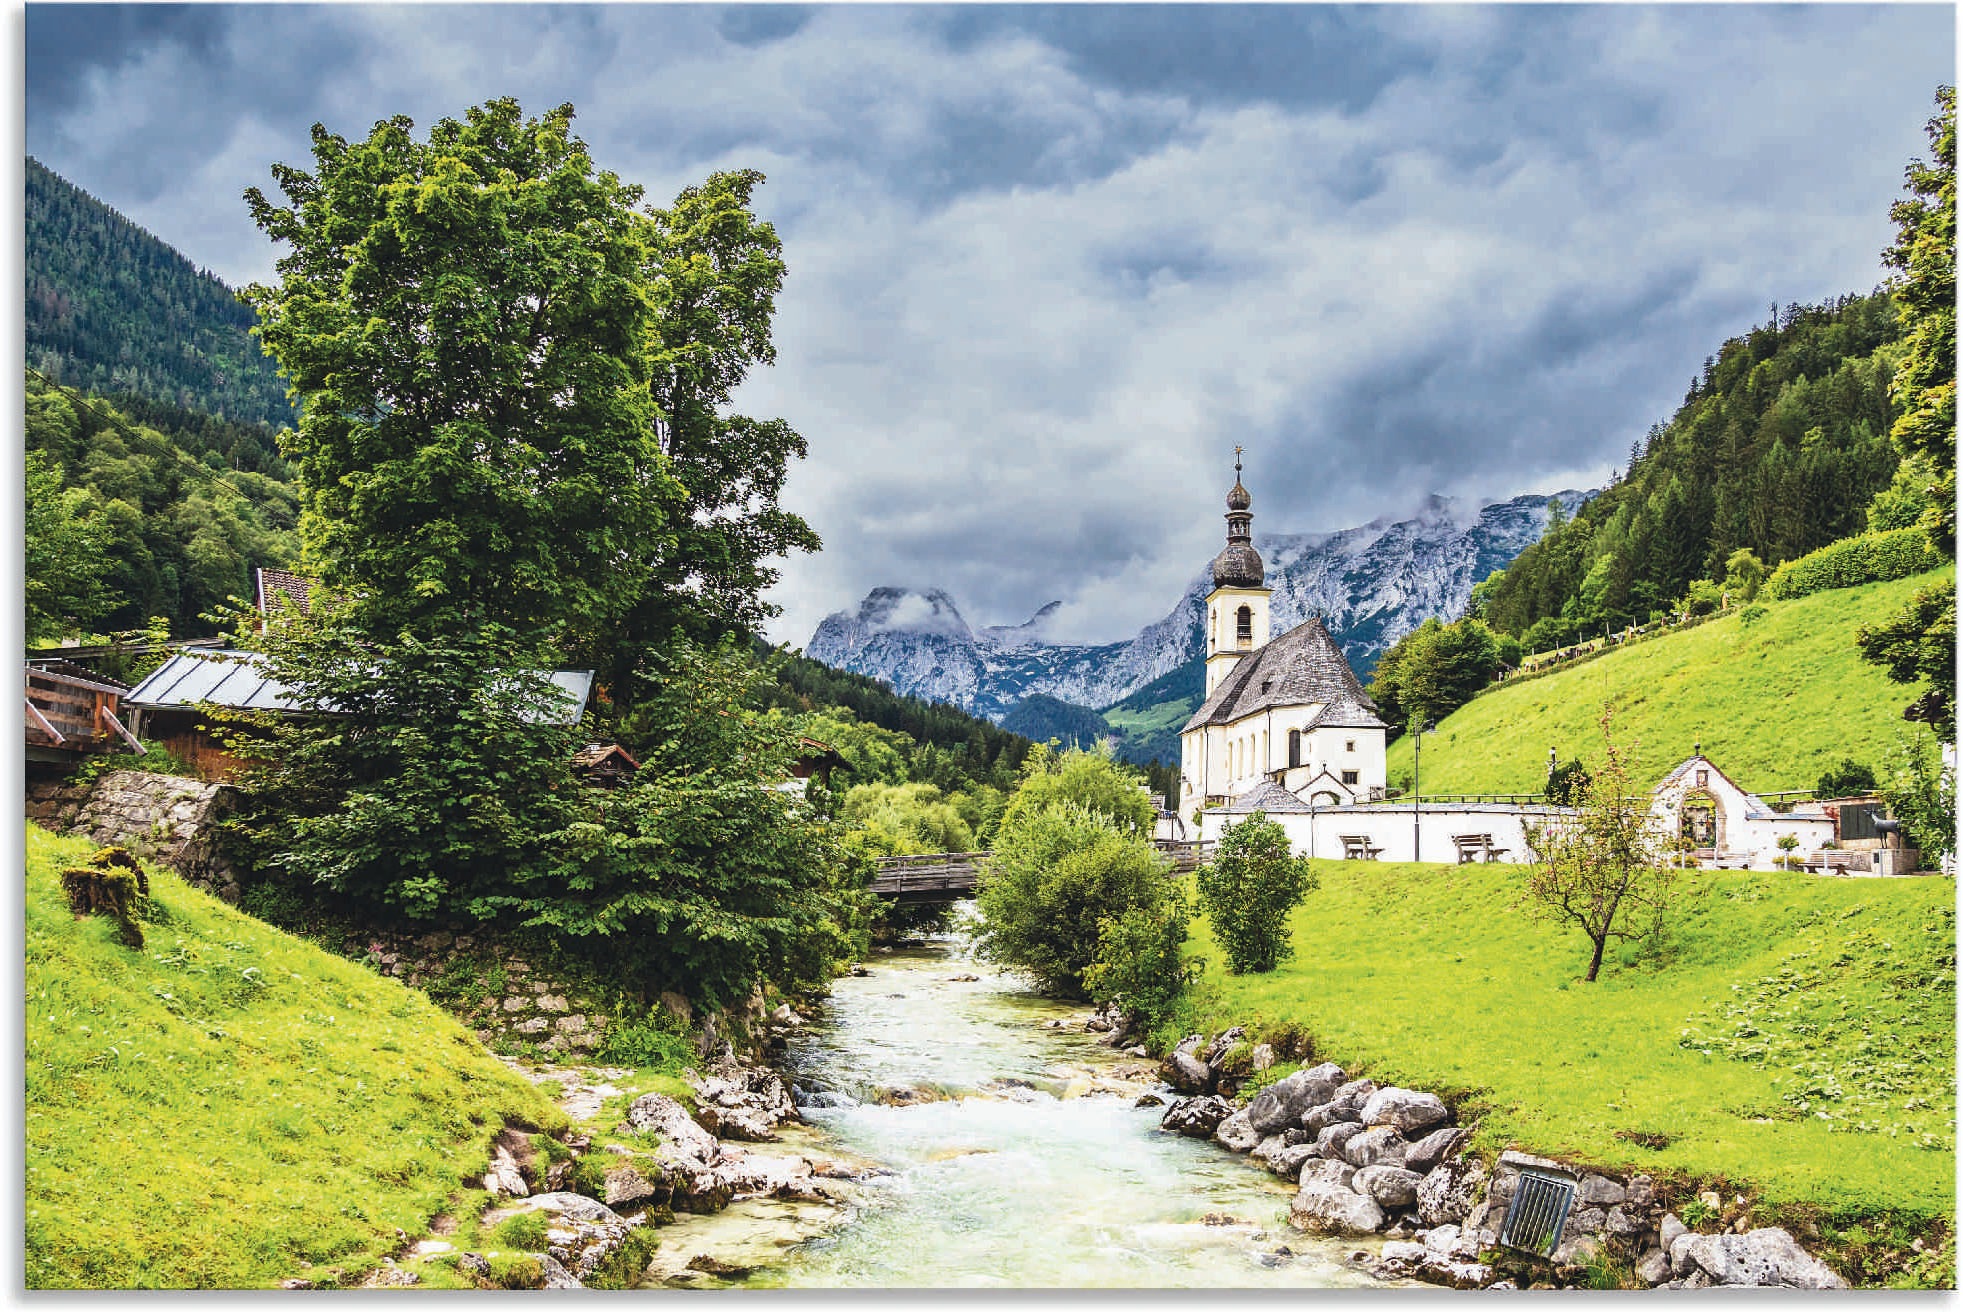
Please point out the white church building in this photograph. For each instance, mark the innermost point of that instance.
(1286, 729)
(1287, 711)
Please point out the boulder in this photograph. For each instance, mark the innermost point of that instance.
(1262, 1057)
(1623, 1224)
(1599, 1191)
(1323, 1208)
(1452, 1242)
(1355, 1093)
(751, 1175)
(1434, 1148)
(553, 1274)
(1451, 1190)
(1408, 1110)
(581, 1234)
(1392, 1186)
(1318, 1119)
(504, 1177)
(1769, 1257)
(1380, 1145)
(1196, 1118)
(1577, 1250)
(1330, 1142)
(624, 1185)
(1288, 1162)
(1235, 1134)
(1264, 1151)
(1323, 1170)
(1404, 1252)
(1221, 1043)
(1186, 1073)
(1641, 1190)
(1667, 1233)
(1653, 1267)
(657, 1113)
(1585, 1221)
(1284, 1102)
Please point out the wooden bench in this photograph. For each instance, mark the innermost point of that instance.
(1356, 847)
(1839, 862)
(1477, 847)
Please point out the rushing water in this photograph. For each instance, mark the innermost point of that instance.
(1030, 1166)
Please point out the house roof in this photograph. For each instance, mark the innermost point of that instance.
(296, 589)
(1304, 666)
(237, 680)
(1268, 797)
(594, 753)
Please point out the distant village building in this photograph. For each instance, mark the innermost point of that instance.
(1287, 712)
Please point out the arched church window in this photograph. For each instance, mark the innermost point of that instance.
(1294, 748)
(1244, 624)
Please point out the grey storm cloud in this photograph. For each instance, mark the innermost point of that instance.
(1050, 263)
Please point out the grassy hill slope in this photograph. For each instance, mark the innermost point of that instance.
(230, 1103)
(1798, 1033)
(1774, 702)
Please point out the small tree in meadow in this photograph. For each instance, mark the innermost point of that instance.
(1140, 962)
(1247, 891)
(1603, 869)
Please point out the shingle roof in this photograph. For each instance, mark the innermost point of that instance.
(1268, 797)
(1302, 666)
(237, 680)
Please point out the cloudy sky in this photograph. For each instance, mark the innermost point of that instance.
(1048, 265)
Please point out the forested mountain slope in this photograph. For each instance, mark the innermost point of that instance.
(112, 309)
(1779, 447)
(181, 505)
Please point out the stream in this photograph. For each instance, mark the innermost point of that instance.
(1014, 1158)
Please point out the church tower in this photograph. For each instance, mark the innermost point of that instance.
(1237, 608)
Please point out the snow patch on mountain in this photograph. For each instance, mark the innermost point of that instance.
(1371, 585)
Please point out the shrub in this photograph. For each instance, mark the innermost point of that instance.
(647, 1037)
(1247, 891)
(1567, 784)
(1848, 779)
(1090, 779)
(1850, 562)
(1140, 963)
(1056, 874)
(524, 1231)
(1921, 793)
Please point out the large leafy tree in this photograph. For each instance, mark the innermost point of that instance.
(469, 321)
(1918, 643)
(1924, 256)
(474, 323)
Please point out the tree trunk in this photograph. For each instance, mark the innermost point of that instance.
(1595, 962)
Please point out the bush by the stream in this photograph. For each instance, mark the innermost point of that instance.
(1059, 872)
(1140, 961)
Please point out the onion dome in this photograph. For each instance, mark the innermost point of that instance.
(1239, 566)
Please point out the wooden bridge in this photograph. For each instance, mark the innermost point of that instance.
(947, 876)
(68, 716)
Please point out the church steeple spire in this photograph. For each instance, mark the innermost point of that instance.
(1239, 566)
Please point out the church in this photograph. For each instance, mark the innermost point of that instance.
(1282, 715)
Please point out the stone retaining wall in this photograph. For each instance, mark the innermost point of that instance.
(159, 817)
(491, 987)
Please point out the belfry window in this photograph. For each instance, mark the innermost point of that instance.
(1244, 624)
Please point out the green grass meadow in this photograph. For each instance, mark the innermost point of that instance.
(1794, 1032)
(1775, 702)
(229, 1104)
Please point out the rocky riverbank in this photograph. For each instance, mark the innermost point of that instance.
(1391, 1162)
